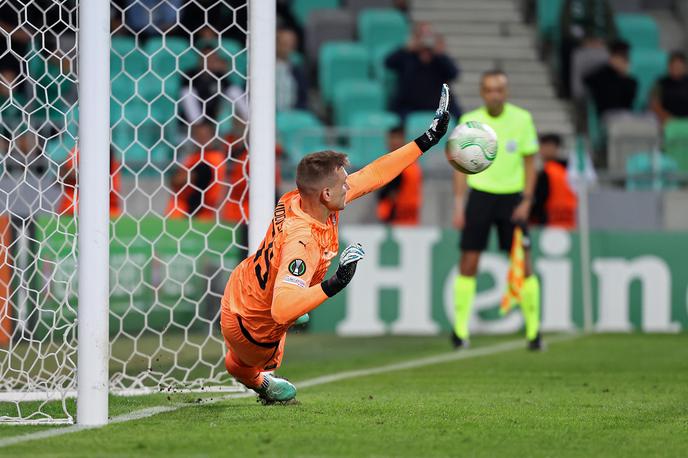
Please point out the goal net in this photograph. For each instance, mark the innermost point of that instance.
(178, 199)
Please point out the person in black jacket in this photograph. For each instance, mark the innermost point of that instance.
(422, 67)
(670, 95)
(611, 86)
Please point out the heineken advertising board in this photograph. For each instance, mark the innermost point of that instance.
(405, 283)
(166, 272)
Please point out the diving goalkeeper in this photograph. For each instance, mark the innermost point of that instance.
(284, 280)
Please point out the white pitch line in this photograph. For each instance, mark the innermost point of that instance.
(331, 378)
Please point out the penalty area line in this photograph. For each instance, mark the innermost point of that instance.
(316, 381)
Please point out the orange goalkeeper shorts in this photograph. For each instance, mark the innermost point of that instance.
(261, 356)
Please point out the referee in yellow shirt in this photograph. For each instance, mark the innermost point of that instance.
(501, 196)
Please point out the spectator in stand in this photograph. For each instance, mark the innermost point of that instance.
(670, 95)
(611, 86)
(151, 17)
(400, 201)
(422, 66)
(555, 201)
(291, 86)
(68, 172)
(209, 91)
(199, 185)
(584, 23)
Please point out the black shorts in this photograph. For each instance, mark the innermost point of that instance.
(484, 210)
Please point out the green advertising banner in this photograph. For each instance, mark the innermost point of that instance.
(163, 273)
(171, 272)
(404, 285)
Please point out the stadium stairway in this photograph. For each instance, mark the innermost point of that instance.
(482, 35)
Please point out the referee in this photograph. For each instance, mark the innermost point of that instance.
(501, 196)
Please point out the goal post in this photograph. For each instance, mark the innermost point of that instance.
(125, 195)
(94, 224)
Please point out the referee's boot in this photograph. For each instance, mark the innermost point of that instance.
(536, 344)
(458, 343)
(275, 389)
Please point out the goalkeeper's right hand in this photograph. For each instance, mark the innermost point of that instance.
(345, 272)
(440, 123)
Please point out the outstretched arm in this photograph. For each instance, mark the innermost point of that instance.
(384, 169)
(292, 296)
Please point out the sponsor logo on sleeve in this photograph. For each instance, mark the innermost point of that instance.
(294, 281)
(297, 267)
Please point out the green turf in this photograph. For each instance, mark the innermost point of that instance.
(607, 395)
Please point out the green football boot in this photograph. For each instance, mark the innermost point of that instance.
(303, 319)
(275, 389)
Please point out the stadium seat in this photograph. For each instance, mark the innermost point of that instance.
(627, 134)
(646, 171)
(381, 73)
(548, 14)
(301, 9)
(676, 142)
(382, 28)
(356, 6)
(339, 62)
(325, 26)
(418, 122)
(170, 54)
(300, 132)
(351, 97)
(647, 66)
(639, 30)
(626, 6)
(237, 55)
(369, 135)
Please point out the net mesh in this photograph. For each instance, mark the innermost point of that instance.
(178, 210)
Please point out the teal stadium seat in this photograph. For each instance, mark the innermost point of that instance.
(169, 53)
(647, 66)
(300, 133)
(341, 61)
(418, 122)
(643, 174)
(676, 142)
(381, 73)
(639, 30)
(369, 135)
(351, 97)
(302, 8)
(382, 28)
(237, 55)
(548, 19)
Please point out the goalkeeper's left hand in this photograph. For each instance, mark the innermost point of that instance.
(440, 123)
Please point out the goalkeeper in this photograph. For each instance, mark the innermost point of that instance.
(284, 280)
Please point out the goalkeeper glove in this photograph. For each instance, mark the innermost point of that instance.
(439, 125)
(345, 272)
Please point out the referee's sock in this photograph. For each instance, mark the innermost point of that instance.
(464, 292)
(530, 304)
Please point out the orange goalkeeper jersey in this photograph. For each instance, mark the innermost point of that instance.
(295, 255)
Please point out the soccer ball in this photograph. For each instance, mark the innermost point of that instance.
(472, 147)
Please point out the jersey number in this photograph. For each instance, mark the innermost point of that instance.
(267, 256)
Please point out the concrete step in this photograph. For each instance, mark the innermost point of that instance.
(478, 64)
(437, 16)
(469, 76)
(483, 29)
(496, 41)
(491, 5)
(459, 50)
(541, 91)
(471, 101)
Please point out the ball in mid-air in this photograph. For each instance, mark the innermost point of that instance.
(472, 147)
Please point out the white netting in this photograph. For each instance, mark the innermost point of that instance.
(178, 202)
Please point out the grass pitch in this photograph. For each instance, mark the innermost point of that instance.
(602, 395)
